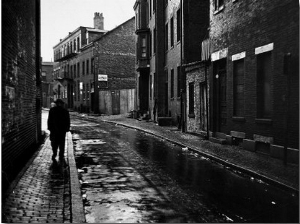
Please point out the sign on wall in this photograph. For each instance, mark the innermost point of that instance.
(102, 81)
(102, 78)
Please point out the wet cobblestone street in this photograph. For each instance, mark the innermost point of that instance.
(118, 185)
(129, 176)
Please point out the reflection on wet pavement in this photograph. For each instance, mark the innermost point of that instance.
(128, 176)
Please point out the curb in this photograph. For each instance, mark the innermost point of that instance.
(256, 175)
(77, 210)
(214, 158)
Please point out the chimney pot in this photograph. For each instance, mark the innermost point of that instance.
(99, 21)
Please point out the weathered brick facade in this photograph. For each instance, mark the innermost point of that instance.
(172, 32)
(243, 30)
(114, 57)
(21, 84)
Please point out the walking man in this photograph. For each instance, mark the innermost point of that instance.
(58, 125)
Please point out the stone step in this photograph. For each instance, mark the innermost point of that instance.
(218, 140)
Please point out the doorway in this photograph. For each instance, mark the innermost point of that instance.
(220, 98)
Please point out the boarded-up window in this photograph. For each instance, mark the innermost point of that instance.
(264, 96)
(172, 83)
(238, 88)
(191, 98)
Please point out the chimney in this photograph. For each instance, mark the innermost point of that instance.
(99, 21)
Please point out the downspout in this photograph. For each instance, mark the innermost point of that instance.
(182, 104)
(207, 109)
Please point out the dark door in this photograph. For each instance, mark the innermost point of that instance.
(220, 102)
(115, 97)
(166, 99)
(144, 91)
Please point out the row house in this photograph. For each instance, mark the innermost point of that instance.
(74, 73)
(250, 61)
(167, 36)
(225, 69)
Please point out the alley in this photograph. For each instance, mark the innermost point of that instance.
(129, 176)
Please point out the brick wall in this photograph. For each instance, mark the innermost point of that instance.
(21, 85)
(114, 55)
(243, 26)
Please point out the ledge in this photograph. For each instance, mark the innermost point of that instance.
(263, 121)
(240, 119)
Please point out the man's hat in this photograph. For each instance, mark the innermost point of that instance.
(59, 101)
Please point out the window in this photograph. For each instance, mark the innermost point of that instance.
(172, 32)
(178, 81)
(75, 45)
(151, 86)
(150, 45)
(78, 90)
(75, 91)
(150, 7)
(83, 67)
(154, 40)
(74, 70)
(172, 83)
(87, 67)
(166, 37)
(92, 65)
(154, 5)
(78, 44)
(238, 88)
(87, 92)
(219, 4)
(178, 25)
(191, 98)
(144, 54)
(78, 70)
(264, 76)
(83, 92)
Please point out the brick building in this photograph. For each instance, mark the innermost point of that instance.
(168, 34)
(253, 76)
(74, 72)
(47, 83)
(114, 58)
(21, 84)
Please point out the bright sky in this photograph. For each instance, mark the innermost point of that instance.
(59, 17)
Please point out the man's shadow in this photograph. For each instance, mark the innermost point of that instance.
(58, 167)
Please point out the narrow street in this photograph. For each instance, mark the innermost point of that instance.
(129, 176)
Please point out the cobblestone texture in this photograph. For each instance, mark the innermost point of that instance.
(42, 193)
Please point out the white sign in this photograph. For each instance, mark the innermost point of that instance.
(102, 78)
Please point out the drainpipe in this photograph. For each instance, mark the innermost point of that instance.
(182, 103)
(207, 109)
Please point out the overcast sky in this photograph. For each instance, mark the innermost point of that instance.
(59, 17)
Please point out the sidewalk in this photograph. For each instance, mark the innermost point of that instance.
(257, 165)
(42, 191)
